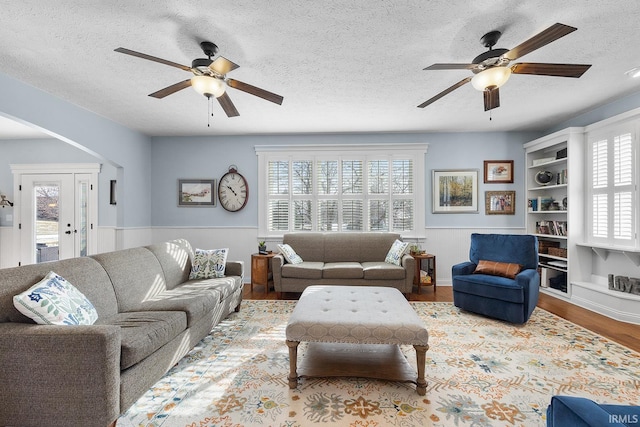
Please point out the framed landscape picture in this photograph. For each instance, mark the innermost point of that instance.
(455, 191)
(196, 192)
(498, 171)
(500, 202)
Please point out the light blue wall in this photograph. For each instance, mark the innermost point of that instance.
(611, 109)
(127, 150)
(174, 158)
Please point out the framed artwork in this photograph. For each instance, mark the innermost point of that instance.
(196, 192)
(498, 171)
(500, 202)
(455, 191)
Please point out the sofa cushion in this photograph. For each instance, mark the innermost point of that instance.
(495, 268)
(224, 286)
(195, 302)
(136, 275)
(495, 287)
(289, 254)
(305, 270)
(85, 273)
(144, 332)
(380, 270)
(175, 258)
(208, 263)
(55, 301)
(394, 256)
(342, 270)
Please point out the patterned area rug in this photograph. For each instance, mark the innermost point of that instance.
(481, 372)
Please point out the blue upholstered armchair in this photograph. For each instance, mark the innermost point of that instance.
(492, 294)
(565, 411)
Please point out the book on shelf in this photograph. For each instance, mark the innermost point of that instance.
(552, 228)
(533, 204)
(544, 203)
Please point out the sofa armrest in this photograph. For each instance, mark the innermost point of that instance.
(409, 264)
(578, 412)
(463, 269)
(234, 268)
(70, 374)
(276, 269)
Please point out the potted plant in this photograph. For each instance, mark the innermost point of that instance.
(262, 247)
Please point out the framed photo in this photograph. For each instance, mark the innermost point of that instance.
(500, 202)
(455, 191)
(498, 171)
(196, 192)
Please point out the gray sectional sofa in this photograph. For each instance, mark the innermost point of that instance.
(350, 258)
(150, 316)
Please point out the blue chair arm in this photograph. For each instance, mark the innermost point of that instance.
(463, 269)
(526, 277)
(578, 412)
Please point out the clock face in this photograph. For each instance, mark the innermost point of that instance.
(233, 191)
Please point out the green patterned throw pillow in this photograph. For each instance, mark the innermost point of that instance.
(394, 256)
(55, 301)
(208, 263)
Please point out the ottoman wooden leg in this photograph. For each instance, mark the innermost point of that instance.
(293, 361)
(421, 383)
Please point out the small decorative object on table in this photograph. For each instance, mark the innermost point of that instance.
(262, 247)
(415, 250)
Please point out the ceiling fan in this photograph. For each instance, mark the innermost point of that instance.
(492, 69)
(209, 78)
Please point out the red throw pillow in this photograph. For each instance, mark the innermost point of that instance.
(495, 268)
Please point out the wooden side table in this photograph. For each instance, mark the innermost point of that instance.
(431, 269)
(261, 272)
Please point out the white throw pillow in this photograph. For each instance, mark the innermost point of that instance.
(289, 254)
(55, 301)
(209, 263)
(394, 256)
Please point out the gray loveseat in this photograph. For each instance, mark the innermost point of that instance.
(348, 258)
(150, 316)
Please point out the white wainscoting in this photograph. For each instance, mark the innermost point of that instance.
(9, 253)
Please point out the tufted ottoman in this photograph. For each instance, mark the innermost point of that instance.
(356, 331)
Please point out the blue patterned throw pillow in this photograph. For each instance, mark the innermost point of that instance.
(208, 263)
(394, 256)
(289, 254)
(55, 301)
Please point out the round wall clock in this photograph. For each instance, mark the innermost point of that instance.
(233, 190)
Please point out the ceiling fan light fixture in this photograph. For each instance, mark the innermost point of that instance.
(494, 76)
(208, 86)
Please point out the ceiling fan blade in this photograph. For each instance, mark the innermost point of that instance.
(491, 98)
(171, 89)
(245, 87)
(152, 58)
(450, 66)
(444, 92)
(543, 38)
(227, 105)
(222, 65)
(557, 70)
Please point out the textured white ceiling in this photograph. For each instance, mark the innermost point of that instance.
(342, 66)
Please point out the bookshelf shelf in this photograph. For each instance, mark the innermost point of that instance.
(552, 210)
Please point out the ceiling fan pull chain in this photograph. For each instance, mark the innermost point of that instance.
(209, 112)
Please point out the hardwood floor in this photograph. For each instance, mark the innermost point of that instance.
(620, 332)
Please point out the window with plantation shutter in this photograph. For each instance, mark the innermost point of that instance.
(613, 190)
(341, 188)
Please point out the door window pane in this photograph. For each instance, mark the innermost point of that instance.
(47, 227)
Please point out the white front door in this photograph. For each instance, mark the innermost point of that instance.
(57, 213)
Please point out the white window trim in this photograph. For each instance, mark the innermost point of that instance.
(608, 132)
(416, 151)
